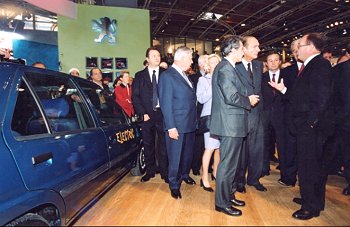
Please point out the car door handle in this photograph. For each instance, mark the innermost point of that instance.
(41, 158)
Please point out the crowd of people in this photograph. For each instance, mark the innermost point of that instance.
(300, 110)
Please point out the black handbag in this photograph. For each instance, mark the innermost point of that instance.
(203, 124)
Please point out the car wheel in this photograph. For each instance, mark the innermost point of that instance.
(140, 167)
(29, 220)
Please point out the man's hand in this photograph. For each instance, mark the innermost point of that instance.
(278, 86)
(146, 117)
(173, 133)
(253, 99)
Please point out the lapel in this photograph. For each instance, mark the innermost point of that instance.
(244, 74)
(306, 69)
(179, 77)
(147, 77)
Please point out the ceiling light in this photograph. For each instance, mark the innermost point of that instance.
(243, 25)
(217, 39)
(332, 25)
(336, 23)
(345, 32)
(341, 22)
(327, 26)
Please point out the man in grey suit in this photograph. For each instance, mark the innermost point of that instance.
(250, 71)
(229, 122)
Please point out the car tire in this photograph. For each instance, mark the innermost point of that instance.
(140, 167)
(29, 220)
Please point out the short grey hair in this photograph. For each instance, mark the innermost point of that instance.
(230, 42)
(181, 52)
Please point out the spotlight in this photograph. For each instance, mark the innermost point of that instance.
(345, 32)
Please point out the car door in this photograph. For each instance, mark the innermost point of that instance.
(122, 137)
(54, 138)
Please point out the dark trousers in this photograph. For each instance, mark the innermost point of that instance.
(311, 168)
(230, 153)
(274, 133)
(198, 152)
(151, 130)
(180, 154)
(252, 156)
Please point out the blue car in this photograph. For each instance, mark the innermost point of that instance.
(63, 143)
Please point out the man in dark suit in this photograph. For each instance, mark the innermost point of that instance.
(289, 169)
(199, 139)
(341, 74)
(178, 103)
(146, 103)
(229, 121)
(273, 113)
(313, 122)
(250, 71)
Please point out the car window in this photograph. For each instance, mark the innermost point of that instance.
(108, 111)
(60, 101)
(24, 121)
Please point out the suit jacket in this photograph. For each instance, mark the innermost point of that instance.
(230, 102)
(272, 98)
(341, 75)
(253, 88)
(143, 92)
(124, 99)
(177, 102)
(310, 97)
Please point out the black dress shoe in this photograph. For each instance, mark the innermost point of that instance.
(229, 211)
(165, 178)
(298, 200)
(236, 202)
(208, 189)
(213, 177)
(147, 177)
(259, 187)
(189, 180)
(346, 190)
(196, 172)
(241, 189)
(305, 214)
(175, 193)
(286, 184)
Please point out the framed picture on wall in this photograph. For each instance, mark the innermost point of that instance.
(107, 76)
(106, 63)
(121, 63)
(91, 62)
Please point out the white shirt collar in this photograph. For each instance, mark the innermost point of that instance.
(150, 71)
(310, 58)
(245, 63)
(232, 63)
(277, 74)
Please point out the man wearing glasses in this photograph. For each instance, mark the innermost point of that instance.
(312, 115)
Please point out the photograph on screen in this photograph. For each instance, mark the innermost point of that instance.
(121, 63)
(106, 63)
(91, 62)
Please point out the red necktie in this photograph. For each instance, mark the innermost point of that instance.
(273, 80)
(301, 69)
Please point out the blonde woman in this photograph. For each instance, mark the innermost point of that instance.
(204, 96)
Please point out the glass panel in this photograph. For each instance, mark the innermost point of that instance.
(169, 49)
(200, 47)
(191, 44)
(61, 102)
(27, 118)
(103, 101)
(179, 42)
(208, 47)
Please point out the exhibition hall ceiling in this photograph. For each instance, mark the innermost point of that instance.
(274, 22)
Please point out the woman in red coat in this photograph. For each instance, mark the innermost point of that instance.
(123, 94)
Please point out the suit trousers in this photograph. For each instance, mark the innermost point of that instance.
(152, 133)
(252, 156)
(311, 169)
(180, 154)
(230, 154)
(198, 153)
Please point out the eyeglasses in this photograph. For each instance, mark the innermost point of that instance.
(303, 45)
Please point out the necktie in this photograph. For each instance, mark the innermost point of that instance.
(155, 90)
(273, 80)
(301, 69)
(250, 73)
